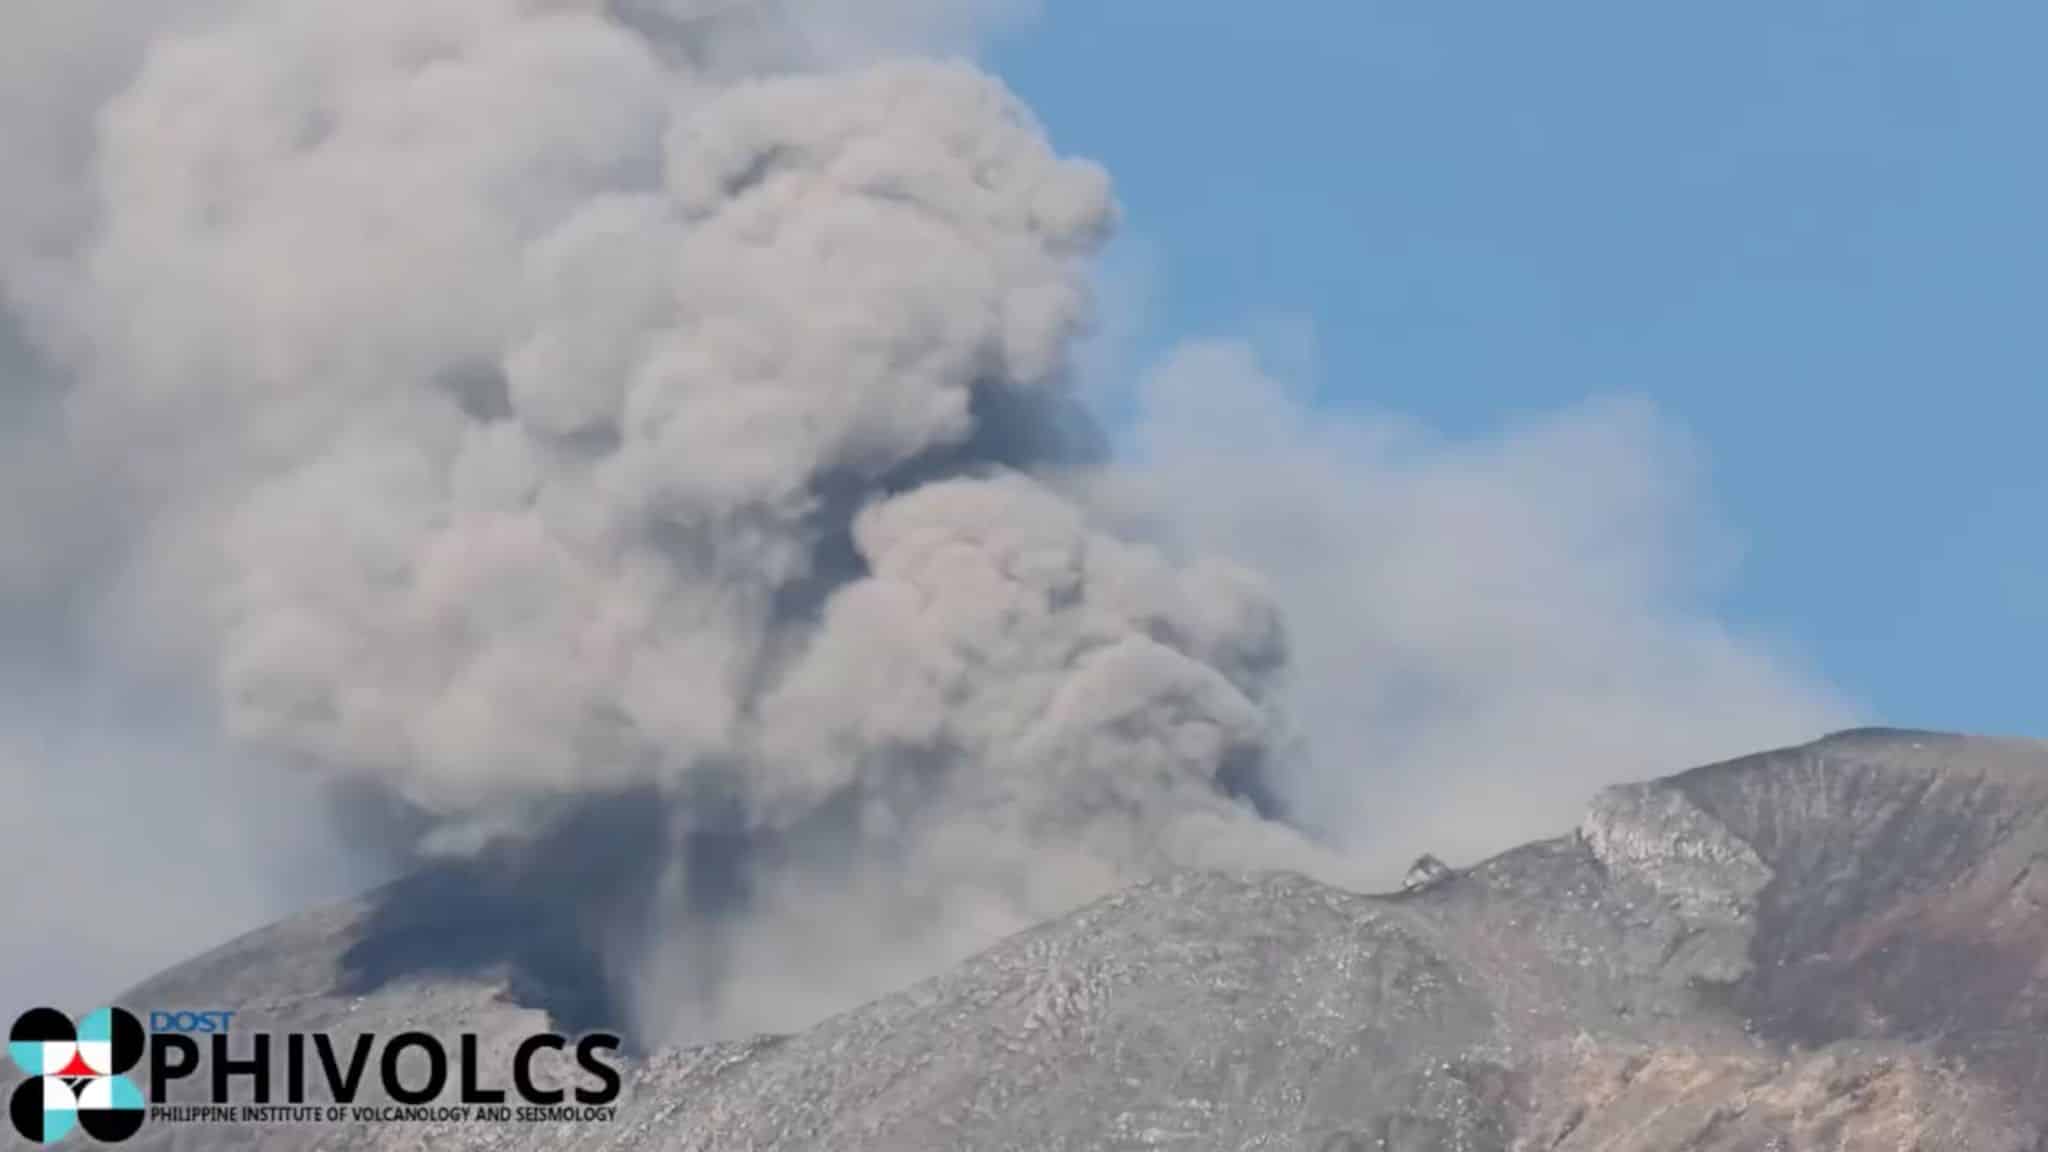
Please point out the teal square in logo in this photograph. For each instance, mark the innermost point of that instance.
(28, 1056)
(97, 1028)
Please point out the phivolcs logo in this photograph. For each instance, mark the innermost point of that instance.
(76, 1075)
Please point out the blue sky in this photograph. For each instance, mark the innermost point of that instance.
(1813, 235)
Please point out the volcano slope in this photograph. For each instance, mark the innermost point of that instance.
(1837, 946)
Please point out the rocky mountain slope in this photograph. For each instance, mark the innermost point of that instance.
(1838, 946)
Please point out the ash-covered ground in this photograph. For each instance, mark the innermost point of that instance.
(1837, 946)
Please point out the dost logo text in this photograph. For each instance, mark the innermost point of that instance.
(84, 1076)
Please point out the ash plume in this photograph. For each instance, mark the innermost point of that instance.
(633, 452)
(644, 425)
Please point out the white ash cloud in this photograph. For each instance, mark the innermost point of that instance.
(1484, 632)
(513, 406)
(519, 402)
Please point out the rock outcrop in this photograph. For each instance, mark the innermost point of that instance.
(1838, 946)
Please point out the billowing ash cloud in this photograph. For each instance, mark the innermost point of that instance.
(523, 405)
(630, 449)
(1484, 632)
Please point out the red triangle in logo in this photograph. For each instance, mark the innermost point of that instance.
(77, 1067)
